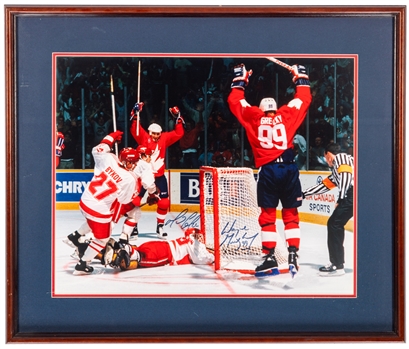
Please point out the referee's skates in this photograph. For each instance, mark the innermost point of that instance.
(332, 270)
(269, 266)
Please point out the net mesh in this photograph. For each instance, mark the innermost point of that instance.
(229, 208)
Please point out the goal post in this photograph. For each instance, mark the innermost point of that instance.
(229, 219)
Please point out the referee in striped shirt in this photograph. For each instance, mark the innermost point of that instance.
(342, 177)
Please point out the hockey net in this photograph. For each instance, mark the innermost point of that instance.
(229, 219)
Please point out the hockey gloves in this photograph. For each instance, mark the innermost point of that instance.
(300, 76)
(60, 144)
(108, 252)
(152, 199)
(241, 76)
(175, 112)
(137, 108)
(117, 136)
(113, 137)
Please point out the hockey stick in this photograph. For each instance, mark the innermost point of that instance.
(117, 210)
(276, 61)
(138, 96)
(113, 113)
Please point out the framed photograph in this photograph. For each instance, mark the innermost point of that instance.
(97, 95)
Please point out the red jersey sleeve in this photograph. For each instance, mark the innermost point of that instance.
(143, 136)
(173, 136)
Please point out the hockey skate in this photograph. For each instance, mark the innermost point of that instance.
(134, 234)
(82, 268)
(332, 270)
(292, 261)
(160, 231)
(269, 266)
(80, 249)
(82, 246)
(72, 239)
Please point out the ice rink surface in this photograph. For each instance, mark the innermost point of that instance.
(197, 280)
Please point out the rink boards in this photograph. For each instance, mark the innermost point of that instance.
(184, 192)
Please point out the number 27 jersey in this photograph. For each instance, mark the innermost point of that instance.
(110, 183)
(270, 136)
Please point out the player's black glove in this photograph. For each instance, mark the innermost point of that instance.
(241, 76)
(300, 76)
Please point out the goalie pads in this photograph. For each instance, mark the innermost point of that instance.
(109, 252)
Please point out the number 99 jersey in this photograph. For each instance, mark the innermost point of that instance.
(270, 135)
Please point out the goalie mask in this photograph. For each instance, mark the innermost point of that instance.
(268, 104)
(122, 260)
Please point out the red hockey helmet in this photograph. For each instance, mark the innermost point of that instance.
(144, 151)
(128, 155)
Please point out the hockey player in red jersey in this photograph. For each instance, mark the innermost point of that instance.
(113, 184)
(189, 249)
(157, 141)
(59, 147)
(270, 132)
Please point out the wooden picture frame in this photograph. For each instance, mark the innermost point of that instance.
(28, 172)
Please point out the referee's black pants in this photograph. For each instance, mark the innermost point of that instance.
(336, 229)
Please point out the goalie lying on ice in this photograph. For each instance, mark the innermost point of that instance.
(189, 249)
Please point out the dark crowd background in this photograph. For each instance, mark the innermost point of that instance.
(199, 87)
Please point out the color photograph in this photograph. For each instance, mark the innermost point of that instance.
(204, 173)
(243, 175)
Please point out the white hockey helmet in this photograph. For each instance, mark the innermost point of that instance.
(268, 104)
(154, 128)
